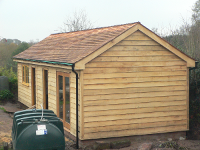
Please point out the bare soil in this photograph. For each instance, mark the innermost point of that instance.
(5, 127)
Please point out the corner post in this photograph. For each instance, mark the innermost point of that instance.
(77, 139)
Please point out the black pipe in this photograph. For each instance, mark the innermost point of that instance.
(77, 144)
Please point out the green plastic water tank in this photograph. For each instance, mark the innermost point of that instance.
(31, 131)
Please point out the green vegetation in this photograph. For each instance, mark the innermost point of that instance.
(3, 109)
(6, 95)
(8, 50)
(11, 64)
(1, 148)
(12, 77)
(8, 67)
(172, 145)
(187, 38)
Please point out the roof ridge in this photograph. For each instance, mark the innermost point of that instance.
(98, 28)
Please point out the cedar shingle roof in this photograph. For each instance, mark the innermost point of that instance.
(71, 47)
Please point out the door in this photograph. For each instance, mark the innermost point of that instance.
(63, 98)
(45, 89)
(33, 86)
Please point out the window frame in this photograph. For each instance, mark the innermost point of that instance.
(25, 75)
(63, 74)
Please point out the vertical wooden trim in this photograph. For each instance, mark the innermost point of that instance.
(25, 81)
(69, 125)
(57, 95)
(32, 86)
(44, 88)
(64, 109)
(18, 85)
(188, 84)
(81, 106)
(22, 72)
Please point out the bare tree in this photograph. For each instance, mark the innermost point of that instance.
(196, 11)
(77, 22)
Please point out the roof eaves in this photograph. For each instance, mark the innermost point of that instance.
(44, 61)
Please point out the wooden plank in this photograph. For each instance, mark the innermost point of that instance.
(53, 92)
(134, 95)
(137, 33)
(133, 69)
(135, 126)
(52, 88)
(133, 116)
(136, 84)
(135, 74)
(24, 97)
(137, 38)
(187, 100)
(73, 116)
(138, 110)
(134, 64)
(133, 100)
(81, 85)
(39, 88)
(138, 58)
(148, 42)
(129, 80)
(133, 106)
(24, 92)
(137, 48)
(136, 53)
(136, 132)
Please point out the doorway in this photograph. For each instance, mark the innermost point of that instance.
(63, 98)
(45, 89)
(33, 86)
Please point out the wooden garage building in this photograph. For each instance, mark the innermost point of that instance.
(131, 81)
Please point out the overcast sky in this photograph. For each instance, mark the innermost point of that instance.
(36, 19)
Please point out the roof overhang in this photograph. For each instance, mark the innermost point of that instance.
(45, 63)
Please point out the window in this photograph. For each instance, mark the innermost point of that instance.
(63, 98)
(25, 74)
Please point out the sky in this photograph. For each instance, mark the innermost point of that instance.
(28, 20)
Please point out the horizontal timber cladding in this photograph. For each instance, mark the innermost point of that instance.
(24, 91)
(136, 87)
(134, 64)
(134, 69)
(136, 131)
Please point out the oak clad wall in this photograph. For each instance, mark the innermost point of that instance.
(24, 91)
(136, 87)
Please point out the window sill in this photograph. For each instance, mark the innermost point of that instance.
(26, 84)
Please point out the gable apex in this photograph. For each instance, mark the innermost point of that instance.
(129, 32)
(190, 61)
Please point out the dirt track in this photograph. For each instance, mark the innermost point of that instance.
(5, 127)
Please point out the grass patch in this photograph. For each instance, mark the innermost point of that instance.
(1, 148)
(173, 145)
(3, 110)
